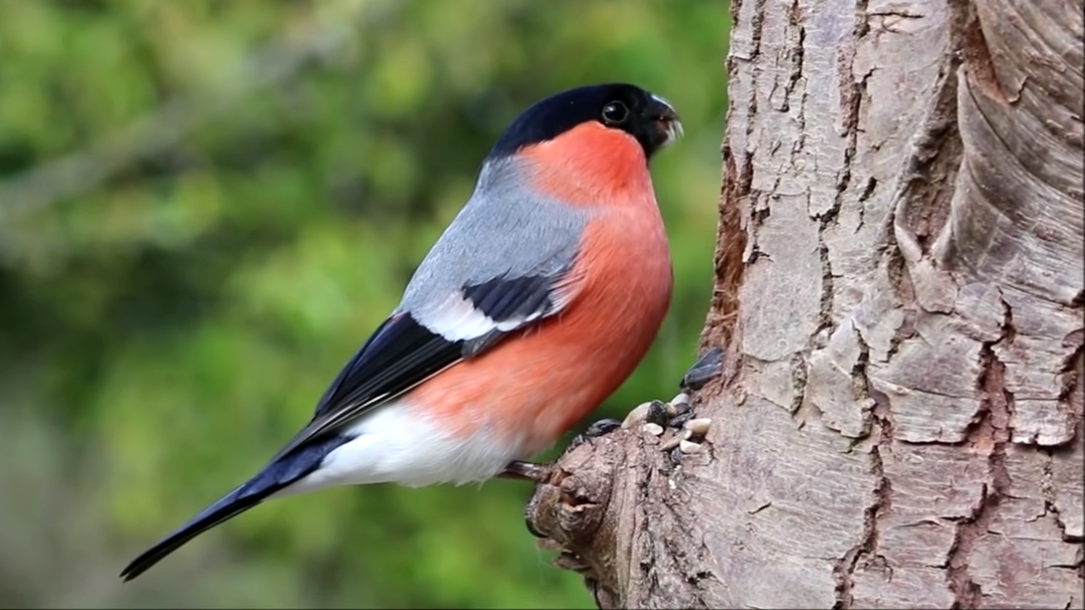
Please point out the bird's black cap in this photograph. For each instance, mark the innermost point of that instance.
(647, 117)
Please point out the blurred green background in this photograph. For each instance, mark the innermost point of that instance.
(205, 207)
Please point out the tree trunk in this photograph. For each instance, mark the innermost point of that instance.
(899, 296)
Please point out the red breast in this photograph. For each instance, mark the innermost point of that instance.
(534, 387)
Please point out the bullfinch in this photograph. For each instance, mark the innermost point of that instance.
(534, 305)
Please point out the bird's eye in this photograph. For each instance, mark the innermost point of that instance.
(615, 113)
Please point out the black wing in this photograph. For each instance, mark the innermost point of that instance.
(403, 353)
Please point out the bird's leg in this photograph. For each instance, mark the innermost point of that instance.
(526, 471)
(540, 473)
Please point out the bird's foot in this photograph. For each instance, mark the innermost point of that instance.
(600, 428)
(526, 471)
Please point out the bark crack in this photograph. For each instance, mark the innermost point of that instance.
(825, 314)
(1071, 372)
(1047, 489)
(731, 236)
(731, 245)
(799, 376)
(795, 52)
(1050, 494)
(904, 290)
(852, 92)
(991, 433)
(926, 183)
(865, 551)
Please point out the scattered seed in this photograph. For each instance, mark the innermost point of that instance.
(652, 428)
(638, 414)
(707, 367)
(657, 412)
(689, 447)
(679, 421)
(699, 426)
(670, 443)
(681, 400)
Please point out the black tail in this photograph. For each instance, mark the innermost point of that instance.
(230, 505)
(276, 476)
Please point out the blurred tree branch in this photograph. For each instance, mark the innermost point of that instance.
(324, 35)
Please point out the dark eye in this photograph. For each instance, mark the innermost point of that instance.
(614, 113)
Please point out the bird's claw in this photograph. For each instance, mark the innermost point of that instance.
(571, 561)
(526, 471)
(600, 428)
(541, 473)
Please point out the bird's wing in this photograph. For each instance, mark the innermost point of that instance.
(402, 353)
(410, 347)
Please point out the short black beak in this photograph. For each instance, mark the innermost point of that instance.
(665, 113)
(670, 126)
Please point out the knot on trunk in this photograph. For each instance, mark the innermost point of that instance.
(571, 512)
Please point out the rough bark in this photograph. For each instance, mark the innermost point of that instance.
(899, 293)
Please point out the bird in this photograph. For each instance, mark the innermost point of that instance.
(536, 302)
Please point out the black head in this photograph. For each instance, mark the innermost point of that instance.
(646, 117)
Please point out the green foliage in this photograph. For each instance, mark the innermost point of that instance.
(206, 206)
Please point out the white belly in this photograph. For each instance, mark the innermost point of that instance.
(395, 444)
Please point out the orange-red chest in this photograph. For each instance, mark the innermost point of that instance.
(532, 388)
